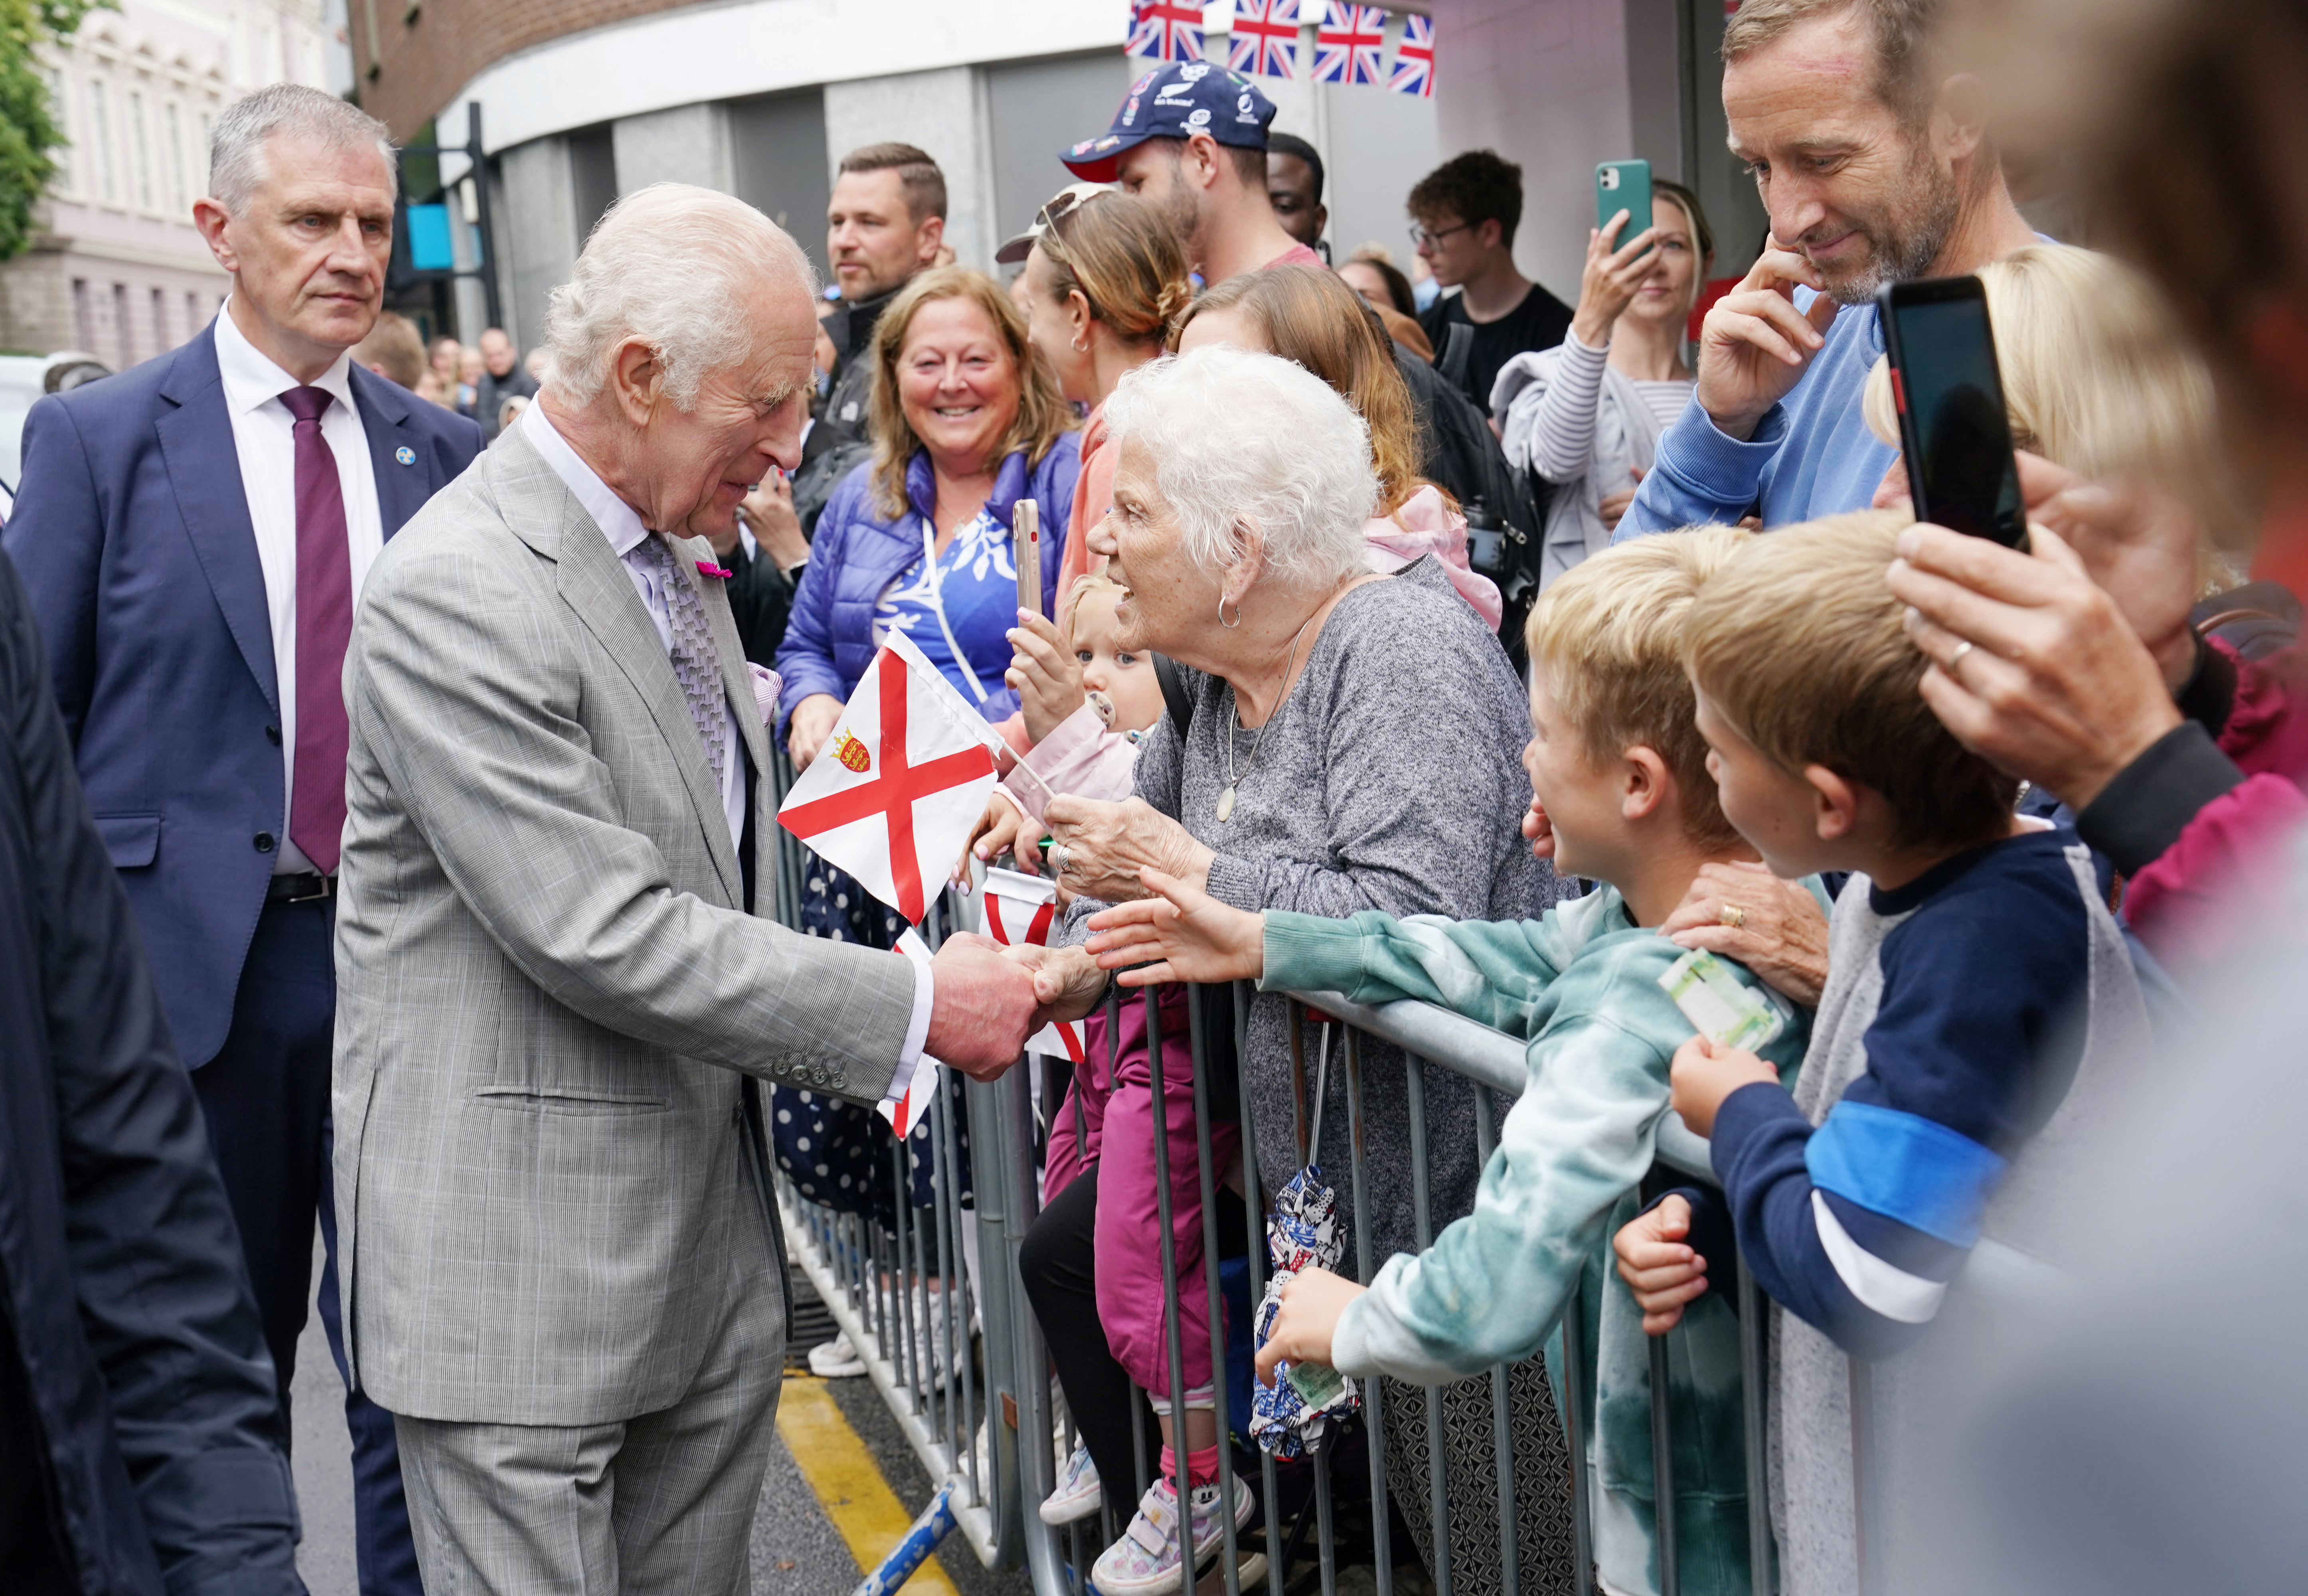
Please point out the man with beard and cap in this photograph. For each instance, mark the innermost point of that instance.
(1189, 140)
(1876, 168)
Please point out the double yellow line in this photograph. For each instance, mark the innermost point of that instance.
(848, 1483)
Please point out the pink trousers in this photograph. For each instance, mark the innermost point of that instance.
(1129, 1236)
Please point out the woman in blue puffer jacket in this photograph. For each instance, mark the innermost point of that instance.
(966, 422)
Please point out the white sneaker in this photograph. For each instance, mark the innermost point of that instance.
(1145, 1561)
(1079, 1493)
(836, 1360)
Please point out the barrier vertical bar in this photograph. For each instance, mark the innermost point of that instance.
(1866, 1478)
(1382, 1533)
(1502, 1418)
(1670, 1573)
(1438, 1477)
(1754, 1378)
(1198, 1040)
(1574, 1428)
(1172, 1338)
(1254, 1218)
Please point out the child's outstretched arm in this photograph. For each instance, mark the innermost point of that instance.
(1179, 935)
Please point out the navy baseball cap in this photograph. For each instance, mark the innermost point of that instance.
(1177, 100)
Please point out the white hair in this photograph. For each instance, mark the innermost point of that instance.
(1240, 436)
(678, 267)
(237, 163)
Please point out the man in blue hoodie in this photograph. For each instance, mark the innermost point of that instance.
(1876, 166)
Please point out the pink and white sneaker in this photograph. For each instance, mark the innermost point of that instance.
(1145, 1561)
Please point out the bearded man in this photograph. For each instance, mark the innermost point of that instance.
(1876, 168)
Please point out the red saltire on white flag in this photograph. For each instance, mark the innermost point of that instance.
(902, 778)
(1020, 910)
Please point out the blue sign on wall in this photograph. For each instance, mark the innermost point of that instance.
(428, 239)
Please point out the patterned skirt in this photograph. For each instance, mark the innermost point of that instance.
(1542, 1465)
(838, 1152)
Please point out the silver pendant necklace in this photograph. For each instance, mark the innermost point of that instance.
(1225, 810)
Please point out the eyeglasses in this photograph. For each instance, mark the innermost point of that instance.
(1420, 238)
(1046, 219)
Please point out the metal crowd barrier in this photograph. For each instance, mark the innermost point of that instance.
(935, 1307)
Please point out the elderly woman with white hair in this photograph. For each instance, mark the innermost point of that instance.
(1350, 742)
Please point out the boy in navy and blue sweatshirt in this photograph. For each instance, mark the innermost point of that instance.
(1978, 990)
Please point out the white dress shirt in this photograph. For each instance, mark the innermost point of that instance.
(622, 525)
(264, 436)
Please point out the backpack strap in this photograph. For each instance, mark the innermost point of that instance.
(1457, 354)
(1174, 695)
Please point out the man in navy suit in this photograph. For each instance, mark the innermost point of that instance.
(194, 534)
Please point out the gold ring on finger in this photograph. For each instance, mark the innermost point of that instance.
(1733, 916)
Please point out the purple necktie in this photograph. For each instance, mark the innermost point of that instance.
(324, 625)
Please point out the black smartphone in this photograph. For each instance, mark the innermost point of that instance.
(1953, 427)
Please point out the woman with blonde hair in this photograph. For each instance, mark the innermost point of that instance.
(1104, 279)
(1309, 316)
(1586, 415)
(916, 539)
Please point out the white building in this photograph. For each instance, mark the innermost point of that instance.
(116, 267)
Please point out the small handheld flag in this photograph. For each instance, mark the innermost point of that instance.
(901, 778)
(1020, 910)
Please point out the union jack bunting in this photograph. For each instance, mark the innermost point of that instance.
(1348, 47)
(1414, 58)
(1265, 38)
(1166, 30)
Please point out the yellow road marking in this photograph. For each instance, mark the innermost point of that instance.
(847, 1484)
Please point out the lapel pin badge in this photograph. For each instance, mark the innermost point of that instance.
(405, 455)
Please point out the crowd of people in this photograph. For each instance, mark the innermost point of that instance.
(393, 736)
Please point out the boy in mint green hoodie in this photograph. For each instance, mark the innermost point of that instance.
(1620, 793)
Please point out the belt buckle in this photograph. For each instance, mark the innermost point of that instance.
(328, 890)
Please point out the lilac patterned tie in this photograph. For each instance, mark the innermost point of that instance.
(696, 664)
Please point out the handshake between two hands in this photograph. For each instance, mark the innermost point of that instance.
(989, 999)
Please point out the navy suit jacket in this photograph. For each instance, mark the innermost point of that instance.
(132, 533)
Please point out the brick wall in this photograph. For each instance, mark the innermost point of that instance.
(407, 70)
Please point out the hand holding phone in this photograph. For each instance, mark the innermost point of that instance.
(1954, 431)
(1623, 185)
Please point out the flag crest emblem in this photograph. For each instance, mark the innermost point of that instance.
(853, 754)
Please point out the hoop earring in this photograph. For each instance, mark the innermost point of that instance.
(1079, 347)
(1230, 625)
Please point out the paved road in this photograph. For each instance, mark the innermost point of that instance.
(797, 1549)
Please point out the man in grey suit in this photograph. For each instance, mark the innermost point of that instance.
(564, 1275)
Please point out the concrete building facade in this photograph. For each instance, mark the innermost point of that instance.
(583, 100)
(115, 267)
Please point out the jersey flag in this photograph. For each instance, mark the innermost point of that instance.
(1348, 46)
(903, 776)
(1019, 910)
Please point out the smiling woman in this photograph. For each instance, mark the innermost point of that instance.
(967, 423)
(916, 539)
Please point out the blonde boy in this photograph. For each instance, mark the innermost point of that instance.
(1959, 952)
(1621, 794)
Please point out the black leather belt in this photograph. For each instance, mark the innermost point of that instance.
(306, 887)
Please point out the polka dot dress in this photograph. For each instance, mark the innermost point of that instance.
(835, 1151)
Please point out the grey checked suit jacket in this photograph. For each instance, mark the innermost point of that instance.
(546, 986)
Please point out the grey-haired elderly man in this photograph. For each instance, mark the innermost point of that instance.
(565, 1276)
